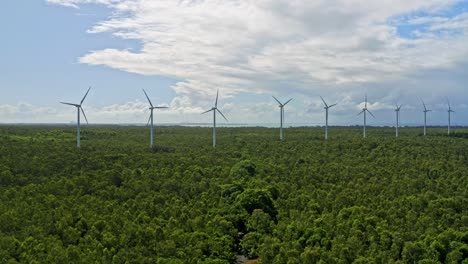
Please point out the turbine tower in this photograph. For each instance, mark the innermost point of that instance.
(281, 106)
(326, 116)
(449, 110)
(397, 111)
(365, 111)
(151, 118)
(425, 117)
(78, 109)
(215, 109)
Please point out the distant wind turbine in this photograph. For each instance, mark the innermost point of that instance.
(449, 110)
(215, 109)
(281, 106)
(79, 109)
(151, 118)
(365, 111)
(425, 117)
(397, 111)
(326, 116)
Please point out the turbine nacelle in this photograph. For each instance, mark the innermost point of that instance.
(326, 115)
(449, 110)
(364, 110)
(326, 105)
(79, 106)
(449, 107)
(150, 119)
(398, 108)
(159, 107)
(79, 109)
(280, 105)
(151, 104)
(215, 109)
(425, 108)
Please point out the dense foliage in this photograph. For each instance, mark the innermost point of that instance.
(348, 200)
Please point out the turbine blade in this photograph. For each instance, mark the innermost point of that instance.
(70, 104)
(324, 102)
(425, 109)
(149, 119)
(371, 113)
(287, 102)
(207, 111)
(221, 114)
(277, 100)
(361, 112)
(332, 105)
(82, 100)
(147, 97)
(161, 107)
(84, 115)
(216, 102)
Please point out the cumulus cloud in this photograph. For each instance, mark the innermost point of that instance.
(180, 110)
(76, 3)
(25, 111)
(334, 47)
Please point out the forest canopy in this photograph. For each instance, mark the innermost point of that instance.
(304, 200)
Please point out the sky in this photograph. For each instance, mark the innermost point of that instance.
(182, 52)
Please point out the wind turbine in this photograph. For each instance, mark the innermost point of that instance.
(151, 118)
(281, 106)
(425, 116)
(365, 111)
(397, 111)
(215, 109)
(326, 116)
(78, 109)
(449, 110)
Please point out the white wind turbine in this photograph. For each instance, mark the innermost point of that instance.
(151, 118)
(326, 116)
(281, 106)
(425, 117)
(365, 111)
(79, 109)
(397, 112)
(215, 109)
(449, 110)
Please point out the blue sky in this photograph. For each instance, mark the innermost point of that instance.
(41, 51)
(182, 52)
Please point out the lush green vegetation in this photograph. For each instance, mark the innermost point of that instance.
(348, 200)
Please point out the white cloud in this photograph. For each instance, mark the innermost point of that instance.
(25, 111)
(337, 48)
(77, 3)
(180, 109)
